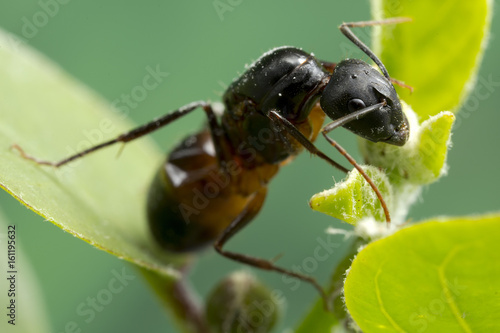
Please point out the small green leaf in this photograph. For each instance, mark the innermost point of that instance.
(99, 199)
(422, 160)
(438, 53)
(353, 199)
(437, 276)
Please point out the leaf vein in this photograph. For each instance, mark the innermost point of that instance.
(382, 307)
(447, 292)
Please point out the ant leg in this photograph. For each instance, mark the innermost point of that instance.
(342, 121)
(241, 221)
(345, 29)
(140, 131)
(283, 123)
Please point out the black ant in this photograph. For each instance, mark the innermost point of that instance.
(215, 182)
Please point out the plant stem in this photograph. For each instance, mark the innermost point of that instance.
(180, 300)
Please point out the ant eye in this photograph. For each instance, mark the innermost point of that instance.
(355, 104)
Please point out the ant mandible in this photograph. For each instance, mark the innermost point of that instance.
(215, 182)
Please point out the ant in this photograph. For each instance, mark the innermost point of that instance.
(215, 182)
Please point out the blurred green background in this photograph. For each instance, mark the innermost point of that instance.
(108, 45)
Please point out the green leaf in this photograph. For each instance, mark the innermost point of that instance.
(422, 160)
(30, 314)
(438, 53)
(353, 199)
(100, 198)
(437, 276)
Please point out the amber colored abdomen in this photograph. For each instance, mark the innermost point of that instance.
(191, 201)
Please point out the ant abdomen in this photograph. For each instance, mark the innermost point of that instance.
(192, 199)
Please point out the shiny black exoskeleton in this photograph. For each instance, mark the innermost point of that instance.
(355, 85)
(291, 81)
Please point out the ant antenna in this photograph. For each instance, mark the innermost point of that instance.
(345, 29)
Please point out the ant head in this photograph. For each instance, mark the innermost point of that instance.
(355, 85)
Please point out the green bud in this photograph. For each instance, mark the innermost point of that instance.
(241, 304)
